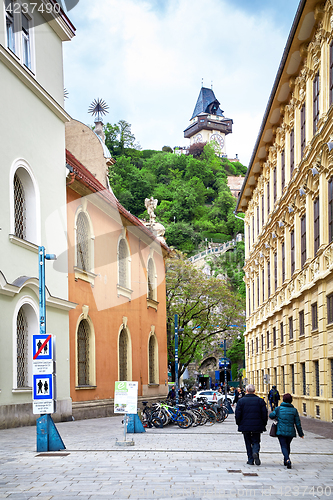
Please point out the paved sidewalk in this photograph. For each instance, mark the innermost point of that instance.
(197, 463)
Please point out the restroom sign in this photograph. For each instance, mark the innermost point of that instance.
(43, 373)
(42, 347)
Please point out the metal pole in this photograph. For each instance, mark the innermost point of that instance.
(176, 356)
(42, 307)
(225, 370)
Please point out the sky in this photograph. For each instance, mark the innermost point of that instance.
(147, 59)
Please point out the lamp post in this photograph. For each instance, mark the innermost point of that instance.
(176, 356)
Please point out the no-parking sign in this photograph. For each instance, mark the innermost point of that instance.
(43, 374)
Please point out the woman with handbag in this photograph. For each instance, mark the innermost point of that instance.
(287, 418)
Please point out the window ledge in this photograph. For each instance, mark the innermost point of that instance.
(88, 276)
(152, 303)
(315, 330)
(23, 243)
(125, 292)
(153, 385)
(22, 390)
(81, 387)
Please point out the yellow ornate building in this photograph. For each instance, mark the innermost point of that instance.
(287, 197)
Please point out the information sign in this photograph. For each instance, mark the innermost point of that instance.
(126, 397)
(43, 374)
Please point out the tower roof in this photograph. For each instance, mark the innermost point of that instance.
(207, 103)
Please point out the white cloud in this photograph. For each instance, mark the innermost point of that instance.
(147, 64)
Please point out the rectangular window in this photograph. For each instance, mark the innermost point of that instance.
(291, 328)
(330, 209)
(330, 308)
(302, 129)
(268, 197)
(258, 295)
(262, 342)
(26, 52)
(315, 102)
(316, 374)
(267, 339)
(274, 336)
(275, 271)
(248, 349)
(257, 345)
(331, 362)
(281, 332)
(303, 378)
(253, 303)
(292, 379)
(292, 152)
(249, 295)
(257, 220)
(283, 176)
(9, 4)
(316, 225)
(269, 278)
(274, 185)
(283, 379)
(301, 323)
(331, 73)
(262, 211)
(314, 316)
(263, 284)
(253, 230)
(283, 263)
(292, 252)
(303, 240)
(252, 347)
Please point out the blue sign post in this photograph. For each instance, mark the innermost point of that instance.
(48, 437)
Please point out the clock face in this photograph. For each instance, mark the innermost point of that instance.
(217, 138)
(198, 138)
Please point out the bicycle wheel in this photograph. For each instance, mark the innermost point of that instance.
(211, 417)
(190, 416)
(183, 421)
(161, 415)
(157, 422)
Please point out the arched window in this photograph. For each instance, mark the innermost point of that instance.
(123, 271)
(82, 242)
(24, 204)
(151, 279)
(20, 208)
(153, 360)
(124, 352)
(25, 323)
(83, 353)
(22, 349)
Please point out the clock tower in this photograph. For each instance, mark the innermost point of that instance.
(208, 123)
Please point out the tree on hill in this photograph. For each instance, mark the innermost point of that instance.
(192, 191)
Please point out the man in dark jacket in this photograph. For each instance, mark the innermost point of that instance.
(251, 418)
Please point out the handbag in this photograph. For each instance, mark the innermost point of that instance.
(272, 432)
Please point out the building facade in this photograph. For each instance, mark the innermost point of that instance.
(287, 198)
(117, 278)
(33, 173)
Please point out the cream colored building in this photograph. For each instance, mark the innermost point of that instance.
(287, 197)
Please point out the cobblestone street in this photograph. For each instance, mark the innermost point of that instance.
(202, 462)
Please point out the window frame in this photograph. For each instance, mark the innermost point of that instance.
(291, 327)
(314, 316)
(303, 240)
(329, 300)
(301, 321)
(316, 224)
(292, 151)
(283, 170)
(303, 130)
(316, 91)
(123, 290)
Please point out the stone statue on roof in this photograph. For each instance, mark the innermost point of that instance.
(151, 204)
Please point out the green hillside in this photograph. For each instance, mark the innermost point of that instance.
(194, 201)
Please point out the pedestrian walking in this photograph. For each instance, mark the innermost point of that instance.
(172, 393)
(287, 418)
(273, 397)
(239, 393)
(251, 418)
